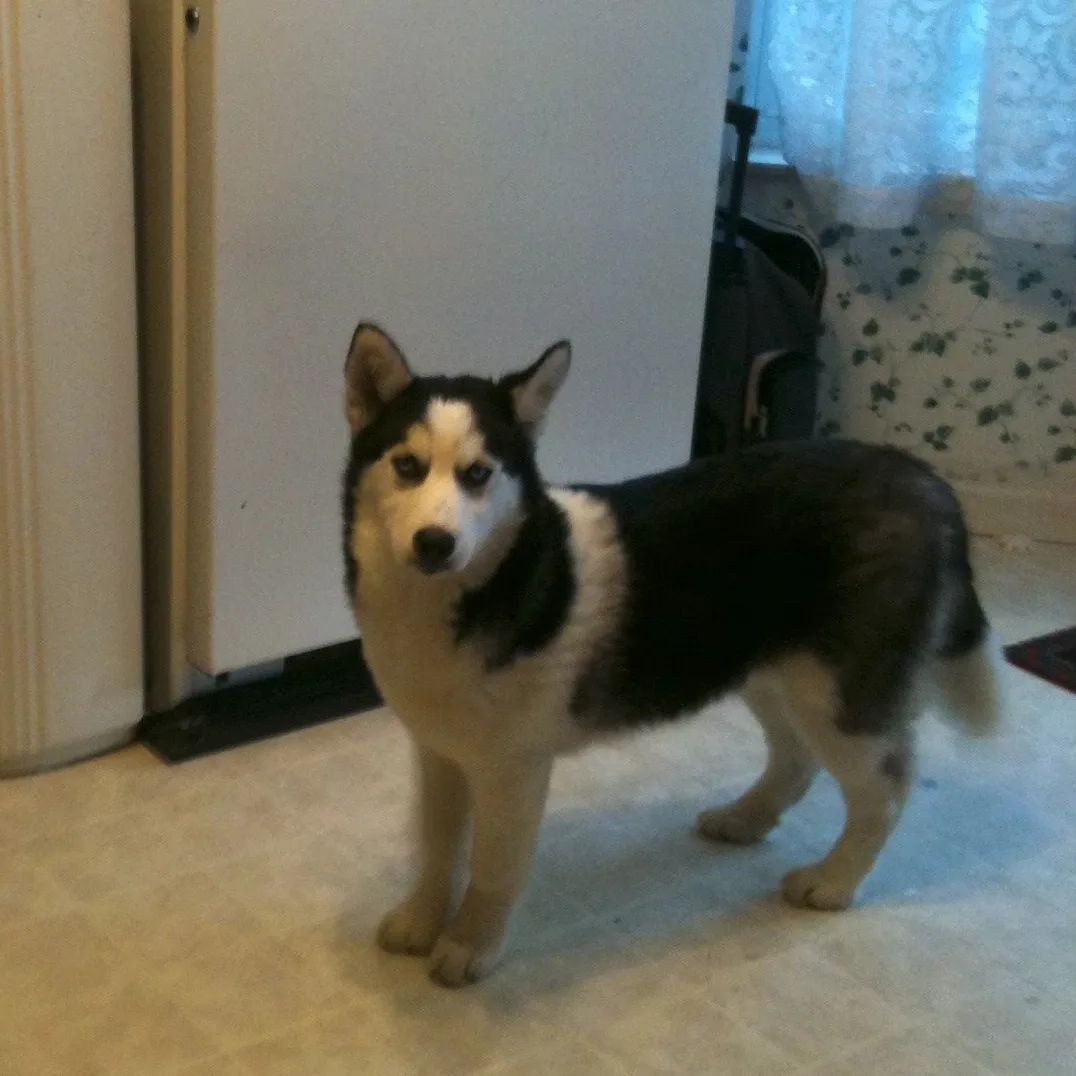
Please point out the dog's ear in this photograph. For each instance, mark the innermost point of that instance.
(532, 390)
(374, 375)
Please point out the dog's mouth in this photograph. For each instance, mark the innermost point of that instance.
(427, 568)
(431, 565)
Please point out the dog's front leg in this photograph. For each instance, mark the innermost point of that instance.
(508, 797)
(414, 925)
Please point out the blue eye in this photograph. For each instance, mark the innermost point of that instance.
(475, 476)
(408, 468)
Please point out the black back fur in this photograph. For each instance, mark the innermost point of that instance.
(834, 548)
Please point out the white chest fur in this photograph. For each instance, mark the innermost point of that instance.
(442, 690)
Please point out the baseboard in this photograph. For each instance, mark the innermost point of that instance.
(1043, 513)
(315, 687)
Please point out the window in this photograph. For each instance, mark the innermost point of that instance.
(760, 91)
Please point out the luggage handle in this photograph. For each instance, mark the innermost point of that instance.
(744, 119)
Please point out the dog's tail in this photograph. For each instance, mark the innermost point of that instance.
(967, 659)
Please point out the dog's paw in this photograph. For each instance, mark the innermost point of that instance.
(457, 963)
(410, 928)
(815, 887)
(733, 825)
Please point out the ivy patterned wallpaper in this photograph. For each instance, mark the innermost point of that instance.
(959, 347)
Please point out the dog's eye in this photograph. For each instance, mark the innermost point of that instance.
(475, 476)
(408, 468)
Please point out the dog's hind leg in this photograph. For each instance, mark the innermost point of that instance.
(790, 768)
(873, 770)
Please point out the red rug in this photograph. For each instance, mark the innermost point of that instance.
(1053, 657)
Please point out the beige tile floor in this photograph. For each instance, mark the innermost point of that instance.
(215, 918)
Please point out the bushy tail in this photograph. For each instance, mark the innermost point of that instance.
(966, 665)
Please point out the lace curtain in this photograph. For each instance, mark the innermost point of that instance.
(891, 98)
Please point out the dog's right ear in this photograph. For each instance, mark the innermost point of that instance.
(374, 375)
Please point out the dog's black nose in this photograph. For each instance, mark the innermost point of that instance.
(433, 548)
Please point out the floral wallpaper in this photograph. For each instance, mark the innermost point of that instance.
(958, 347)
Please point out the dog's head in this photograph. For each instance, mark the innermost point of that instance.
(442, 466)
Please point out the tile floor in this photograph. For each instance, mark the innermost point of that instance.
(215, 918)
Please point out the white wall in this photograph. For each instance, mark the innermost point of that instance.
(483, 178)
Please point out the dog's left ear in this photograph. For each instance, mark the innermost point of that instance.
(532, 390)
(374, 375)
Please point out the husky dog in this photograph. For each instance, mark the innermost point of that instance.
(507, 622)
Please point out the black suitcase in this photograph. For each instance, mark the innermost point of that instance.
(758, 371)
